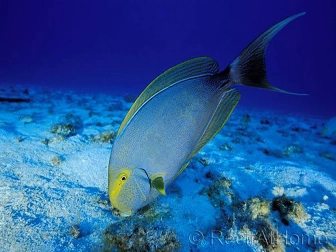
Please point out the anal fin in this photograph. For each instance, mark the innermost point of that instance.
(222, 113)
(181, 170)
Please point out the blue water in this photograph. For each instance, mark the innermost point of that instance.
(120, 46)
(79, 58)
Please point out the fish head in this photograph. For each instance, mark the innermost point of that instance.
(129, 189)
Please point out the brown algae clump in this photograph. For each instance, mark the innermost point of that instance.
(328, 247)
(105, 137)
(219, 192)
(64, 130)
(255, 214)
(289, 209)
(251, 217)
(292, 149)
(258, 208)
(135, 235)
(268, 237)
(298, 214)
(68, 126)
(56, 161)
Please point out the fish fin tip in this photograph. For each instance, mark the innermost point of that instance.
(181, 170)
(158, 183)
(249, 68)
(273, 88)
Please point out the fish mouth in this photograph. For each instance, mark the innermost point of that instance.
(137, 189)
(127, 214)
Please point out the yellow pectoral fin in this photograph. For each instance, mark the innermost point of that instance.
(158, 183)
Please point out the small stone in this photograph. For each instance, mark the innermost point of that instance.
(237, 140)
(115, 105)
(327, 155)
(45, 141)
(56, 161)
(266, 151)
(226, 146)
(298, 129)
(204, 161)
(26, 119)
(209, 175)
(246, 119)
(75, 231)
(129, 98)
(259, 139)
(264, 121)
(274, 153)
(116, 212)
(278, 190)
(56, 139)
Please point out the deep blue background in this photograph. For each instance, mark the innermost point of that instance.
(120, 46)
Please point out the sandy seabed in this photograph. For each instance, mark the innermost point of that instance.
(266, 182)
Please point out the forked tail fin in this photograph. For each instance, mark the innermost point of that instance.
(249, 68)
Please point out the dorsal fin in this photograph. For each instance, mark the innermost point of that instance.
(223, 111)
(184, 70)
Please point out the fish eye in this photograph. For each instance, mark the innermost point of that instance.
(123, 178)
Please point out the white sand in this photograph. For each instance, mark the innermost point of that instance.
(40, 199)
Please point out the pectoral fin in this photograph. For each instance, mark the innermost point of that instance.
(158, 183)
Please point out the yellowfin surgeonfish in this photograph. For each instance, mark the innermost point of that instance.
(174, 117)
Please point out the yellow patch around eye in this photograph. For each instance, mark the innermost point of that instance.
(119, 182)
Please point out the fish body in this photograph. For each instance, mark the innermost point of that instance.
(165, 131)
(174, 117)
